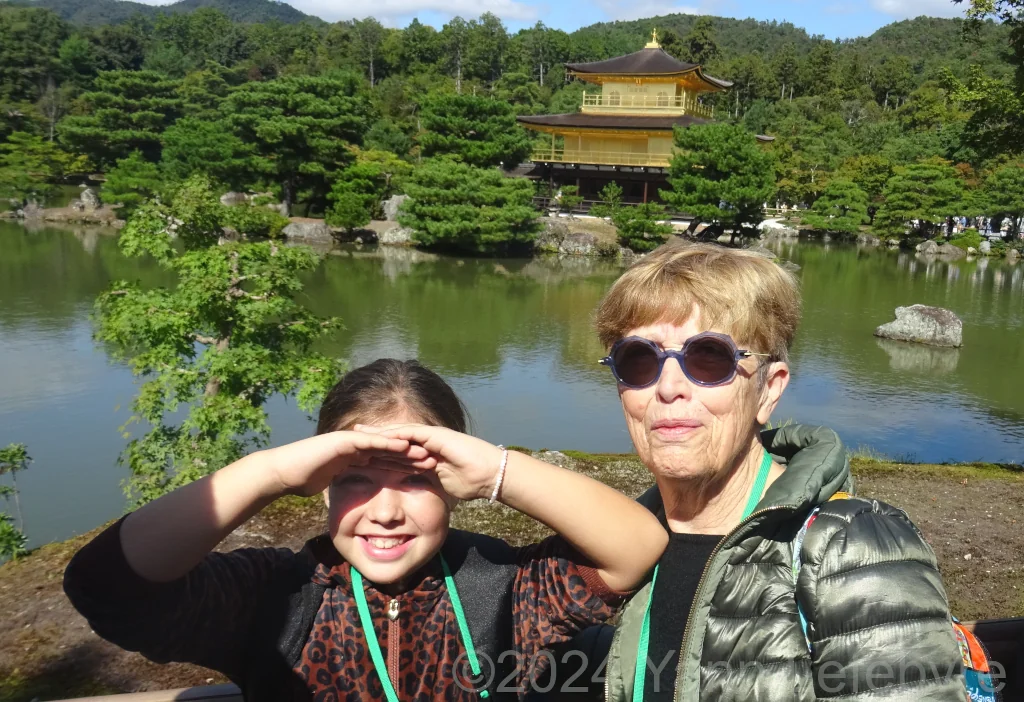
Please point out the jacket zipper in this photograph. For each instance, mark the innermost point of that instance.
(394, 637)
(700, 588)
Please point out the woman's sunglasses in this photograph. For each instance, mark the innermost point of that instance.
(707, 359)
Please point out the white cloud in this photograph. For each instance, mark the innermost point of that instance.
(397, 12)
(640, 9)
(904, 9)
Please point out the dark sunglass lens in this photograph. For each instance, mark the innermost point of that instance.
(709, 361)
(636, 363)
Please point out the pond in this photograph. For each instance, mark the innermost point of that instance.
(515, 340)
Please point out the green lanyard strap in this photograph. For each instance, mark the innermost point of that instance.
(374, 645)
(640, 673)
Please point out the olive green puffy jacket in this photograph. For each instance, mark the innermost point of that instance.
(878, 621)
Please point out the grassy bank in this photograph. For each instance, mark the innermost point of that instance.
(969, 513)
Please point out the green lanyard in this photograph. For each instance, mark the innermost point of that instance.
(640, 674)
(374, 645)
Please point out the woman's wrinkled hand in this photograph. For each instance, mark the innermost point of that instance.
(307, 467)
(466, 466)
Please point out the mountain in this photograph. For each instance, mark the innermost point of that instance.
(96, 12)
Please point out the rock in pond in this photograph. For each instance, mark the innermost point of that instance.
(985, 248)
(396, 236)
(924, 325)
(928, 247)
(308, 230)
(1012, 255)
(950, 251)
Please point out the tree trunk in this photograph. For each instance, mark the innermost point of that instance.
(458, 71)
(542, 74)
(17, 502)
(288, 195)
(213, 384)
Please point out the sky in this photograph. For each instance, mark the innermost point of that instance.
(831, 18)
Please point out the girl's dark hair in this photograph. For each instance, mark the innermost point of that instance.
(383, 388)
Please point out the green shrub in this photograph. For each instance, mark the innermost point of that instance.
(255, 222)
(12, 540)
(639, 226)
(349, 211)
(967, 238)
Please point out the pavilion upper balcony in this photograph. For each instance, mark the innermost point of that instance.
(640, 104)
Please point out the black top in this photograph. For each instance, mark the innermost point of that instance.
(679, 572)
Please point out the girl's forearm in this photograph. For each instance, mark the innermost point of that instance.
(165, 539)
(621, 537)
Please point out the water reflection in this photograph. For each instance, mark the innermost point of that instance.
(515, 338)
(919, 358)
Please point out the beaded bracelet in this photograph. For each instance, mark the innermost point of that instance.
(501, 474)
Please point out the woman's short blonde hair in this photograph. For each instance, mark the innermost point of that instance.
(739, 292)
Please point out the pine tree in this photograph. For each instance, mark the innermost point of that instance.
(1003, 193)
(701, 43)
(477, 130)
(925, 192)
(126, 111)
(721, 176)
(456, 206)
(131, 182)
(842, 207)
(299, 130)
(31, 166)
(640, 226)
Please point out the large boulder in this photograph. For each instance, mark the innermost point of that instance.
(392, 205)
(1012, 255)
(868, 240)
(90, 200)
(396, 236)
(985, 248)
(950, 251)
(579, 244)
(924, 325)
(774, 229)
(308, 230)
(928, 247)
(553, 233)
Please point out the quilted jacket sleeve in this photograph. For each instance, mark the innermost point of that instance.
(877, 615)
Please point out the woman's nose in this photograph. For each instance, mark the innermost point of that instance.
(673, 383)
(386, 507)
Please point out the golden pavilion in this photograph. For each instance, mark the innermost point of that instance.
(623, 131)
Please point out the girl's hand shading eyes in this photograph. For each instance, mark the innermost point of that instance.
(307, 467)
(466, 466)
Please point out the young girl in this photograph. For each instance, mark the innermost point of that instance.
(390, 604)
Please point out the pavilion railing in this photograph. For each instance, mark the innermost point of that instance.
(602, 158)
(653, 104)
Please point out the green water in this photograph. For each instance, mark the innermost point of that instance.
(514, 338)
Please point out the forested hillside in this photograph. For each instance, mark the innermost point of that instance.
(170, 93)
(97, 12)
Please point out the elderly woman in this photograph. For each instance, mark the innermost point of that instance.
(699, 339)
